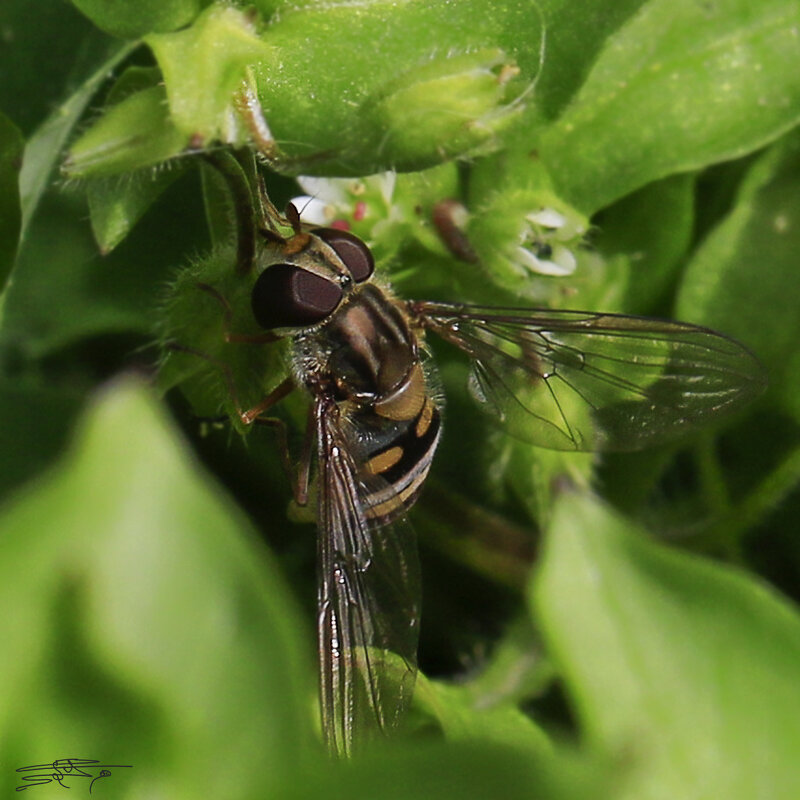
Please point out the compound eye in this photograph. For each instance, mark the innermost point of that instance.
(353, 252)
(286, 296)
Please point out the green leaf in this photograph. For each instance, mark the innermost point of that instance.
(438, 771)
(444, 82)
(680, 86)
(53, 297)
(462, 717)
(485, 704)
(149, 626)
(131, 80)
(653, 228)
(744, 281)
(572, 44)
(130, 19)
(43, 58)
(456, 103)
(117, 203)
(357, 89)
(11, 146)
(689, 669)
(534, 474)
(63, 291)
(136, 132)
(228, 182)
(218, 205)
(44, 148)
(204, 66)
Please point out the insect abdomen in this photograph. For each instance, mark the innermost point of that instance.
(402, 463)
(369, 354)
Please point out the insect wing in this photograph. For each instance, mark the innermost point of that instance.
(369, 589)
(572, 380)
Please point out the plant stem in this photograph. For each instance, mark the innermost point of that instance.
(758, 503)
(712, 480)
(242, 196)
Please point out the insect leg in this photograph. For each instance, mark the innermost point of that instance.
(299, 478)
(278, 393)
(306, 454)
(247, 416)
(227, 316)
(247, 104)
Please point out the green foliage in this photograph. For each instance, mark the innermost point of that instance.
(10, 215)
(134, 133)
(670, 659)
(674, 89)
(444, 81)
(132, 19)
(204, 65)
(196, 316)
(638, 157)
(746, 266)
(44, 149)
(96, 555)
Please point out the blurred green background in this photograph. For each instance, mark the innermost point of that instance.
(633, 635)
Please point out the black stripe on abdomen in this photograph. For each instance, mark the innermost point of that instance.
(415, 450)
(405, 472)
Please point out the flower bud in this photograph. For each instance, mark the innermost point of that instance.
(134, 133)
(449, 106)
(525, 233)
(204, 68)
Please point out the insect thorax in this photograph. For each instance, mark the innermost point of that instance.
(366, 356)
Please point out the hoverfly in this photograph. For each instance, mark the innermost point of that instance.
(569, 380)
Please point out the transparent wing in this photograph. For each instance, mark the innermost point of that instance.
(369, 590)
(572, 380)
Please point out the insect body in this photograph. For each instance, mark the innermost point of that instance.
(361, 354)
(377, 425)
(560, 379)
(366, 358)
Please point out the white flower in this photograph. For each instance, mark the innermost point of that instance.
(546, 242)
(557, 261)
(562, 228)
(547, 218)
(313, 210)
(328, 199)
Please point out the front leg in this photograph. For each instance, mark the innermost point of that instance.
(265, 337)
